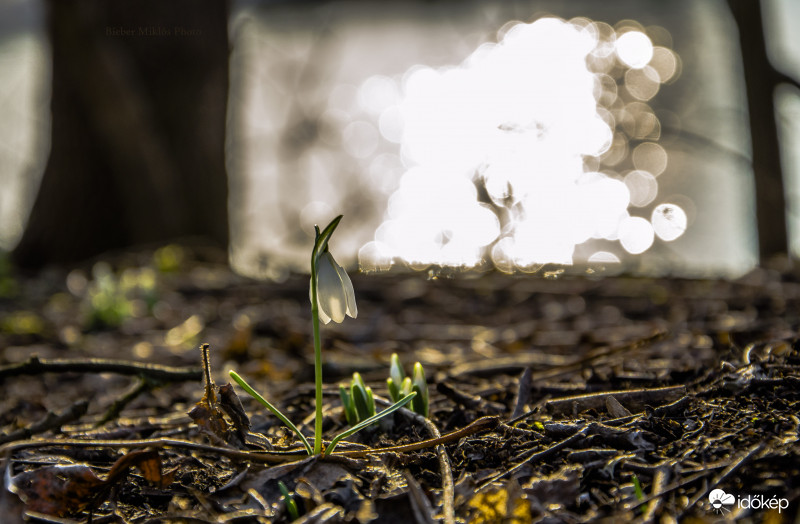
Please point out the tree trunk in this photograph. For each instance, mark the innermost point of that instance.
(138, 128)
(761, 79)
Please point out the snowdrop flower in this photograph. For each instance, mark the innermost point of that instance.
(332, 297)
(335, 294)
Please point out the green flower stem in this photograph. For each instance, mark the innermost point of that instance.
(245, 386)
(317, 356)
(361, 425)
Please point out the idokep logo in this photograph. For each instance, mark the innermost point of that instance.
(722, 502)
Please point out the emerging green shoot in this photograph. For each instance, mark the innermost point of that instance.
(357, 400)
(364, 423)
(291, 505)
(401, 386)
(420, 387)
(637, 490)
(637, 487)
(395, 380)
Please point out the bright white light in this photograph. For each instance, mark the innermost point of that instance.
(669, 221)
(635, 49)
(604, 257)
(599, 205)
(437, 218)
(374, 256)
(524, 119)
(636, 235)
(390, 124)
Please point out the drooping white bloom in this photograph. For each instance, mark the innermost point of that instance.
(335, 294)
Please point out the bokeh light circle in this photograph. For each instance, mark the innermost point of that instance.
(650, 157)
(669, 221)
(643, 187)
(635, 49)
(636, 235)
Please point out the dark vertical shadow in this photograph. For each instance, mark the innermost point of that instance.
(761, 79)
(138, 128)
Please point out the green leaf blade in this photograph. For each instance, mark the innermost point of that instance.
(253, 393)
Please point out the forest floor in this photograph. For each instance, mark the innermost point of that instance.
(567, 399)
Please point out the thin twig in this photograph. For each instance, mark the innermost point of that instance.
(474, 402)
(448, 487)
(420, 505)
(481, 424)
(674, 486)
(35, 366)
(535, 457)
(633, 399)
(268, 457)
(597, 354)
(143, 385)
(660, 479)
(724, 474)
(210, 396)
(50, 421)
(274, 457)
(595, 400)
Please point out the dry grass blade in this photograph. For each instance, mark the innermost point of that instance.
(523, 392)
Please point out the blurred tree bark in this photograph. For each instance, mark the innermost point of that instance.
(139, 93)
(761, 80)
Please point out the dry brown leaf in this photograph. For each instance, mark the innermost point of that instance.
(57, 490)
(63, 490)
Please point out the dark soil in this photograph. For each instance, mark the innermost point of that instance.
(568, 399)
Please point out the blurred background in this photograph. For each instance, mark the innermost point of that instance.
(659, 138)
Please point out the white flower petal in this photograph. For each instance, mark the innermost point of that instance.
(330, 292)
(347, 288)
(322, 316)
